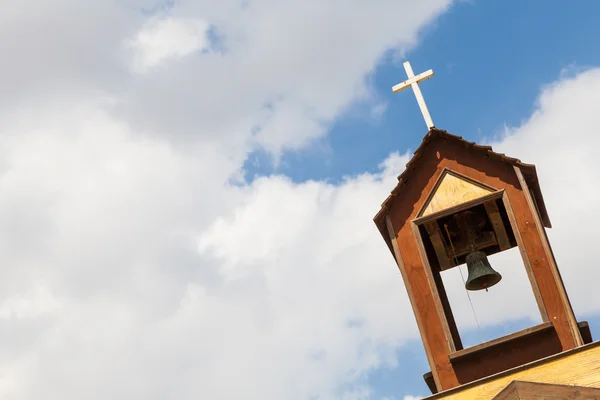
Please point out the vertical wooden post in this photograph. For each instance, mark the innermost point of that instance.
(546, 273)
(400, 263)
(429, 311)
(525, 258)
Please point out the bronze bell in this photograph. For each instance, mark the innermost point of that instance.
(481, 273)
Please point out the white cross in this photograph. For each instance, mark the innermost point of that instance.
(413, 81)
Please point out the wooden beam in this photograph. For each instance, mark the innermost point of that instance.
(411, 297)
(444, 262)
(499, 341)
(460, 207)
(442, 253)
(434, 289)
(560, 287)
(437, 277)
(415, 79)
(521, 245)
(494, 215)
(486, 239)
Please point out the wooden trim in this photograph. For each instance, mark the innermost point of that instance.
(437, 277)
(400, 263)
(525, 257)
(438, 182)
(435, 234)
(494, 215)
(432, 192)
(535, 203)
(525, 332)
(434, 289)
(460, 207)
(550, 257)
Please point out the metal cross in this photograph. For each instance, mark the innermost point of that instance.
(413, 81)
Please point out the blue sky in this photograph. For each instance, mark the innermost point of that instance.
(491, 60)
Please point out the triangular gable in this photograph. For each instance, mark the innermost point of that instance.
(412, 167)
(451, 190)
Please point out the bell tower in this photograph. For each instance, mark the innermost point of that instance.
(458, 203)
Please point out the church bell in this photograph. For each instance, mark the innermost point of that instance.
(481, 273)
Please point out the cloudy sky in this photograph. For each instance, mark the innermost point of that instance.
(187, 187)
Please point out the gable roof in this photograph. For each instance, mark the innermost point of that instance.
(528, 171)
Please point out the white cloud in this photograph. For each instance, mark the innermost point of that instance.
(279, 79)
(161, 39)
(560, 138)
(296, 243)
(36, 302)
(131, 267)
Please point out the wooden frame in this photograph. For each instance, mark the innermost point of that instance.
(439, 305)
(474, 349)
(436, 236)
(404, 231)
(442, 251)
(400, 263)
(460, 207)
(550, 257)
(525, 258)
(450, 327)
(493, 213)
